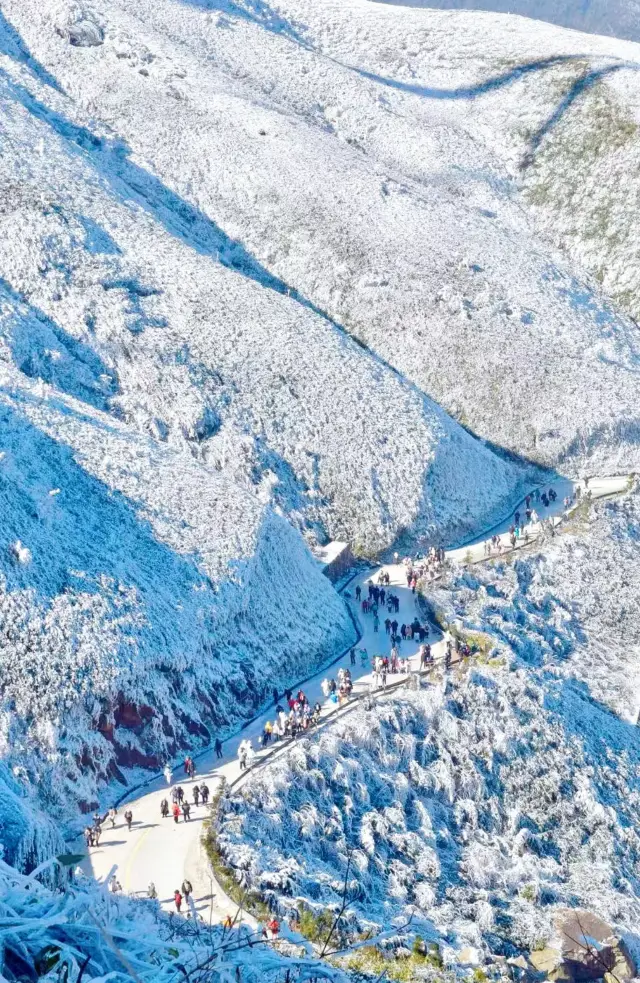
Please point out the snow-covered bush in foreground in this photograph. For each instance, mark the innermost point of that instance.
(476, 810)
(85, 932)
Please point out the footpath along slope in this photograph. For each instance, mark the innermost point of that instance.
(161, 851)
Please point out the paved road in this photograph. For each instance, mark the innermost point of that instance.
(598, 487)
(164, 852)
(158, 850)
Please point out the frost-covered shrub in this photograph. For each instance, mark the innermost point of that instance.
(27, 835)
(83, 931)
(473, 811)
(20, 553)
(79, 26)
(569, 606)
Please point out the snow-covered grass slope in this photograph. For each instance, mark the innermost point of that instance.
(476, 809)
(363, 157)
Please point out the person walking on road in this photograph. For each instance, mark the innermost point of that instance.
(196, 795)
(217, 747)
(352, 655)
(168, 774)
(177, 900)
(164, 808)
(187, 889)
(186, 809)
(112, 816)
(152, 894)
(128, 818)
(204, 793)
(176, 812)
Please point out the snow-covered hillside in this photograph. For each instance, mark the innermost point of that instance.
(157, 601)
(486, 803)
(569, 607)
(125, 296)
(477, 810)
(363, 157)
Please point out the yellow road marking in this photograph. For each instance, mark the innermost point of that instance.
(132, 856)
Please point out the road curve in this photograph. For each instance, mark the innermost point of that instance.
(161, 851)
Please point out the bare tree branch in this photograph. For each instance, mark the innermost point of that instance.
(591, 951)
(341, 910)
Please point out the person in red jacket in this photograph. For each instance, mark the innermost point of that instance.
(176, 812)
(177, 898)
(274, 927)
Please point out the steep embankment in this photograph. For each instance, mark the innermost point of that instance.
(156, 602)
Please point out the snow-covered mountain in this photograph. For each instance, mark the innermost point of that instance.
(273, 274)
(172, 415)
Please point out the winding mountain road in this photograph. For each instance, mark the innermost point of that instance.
(161, 851)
